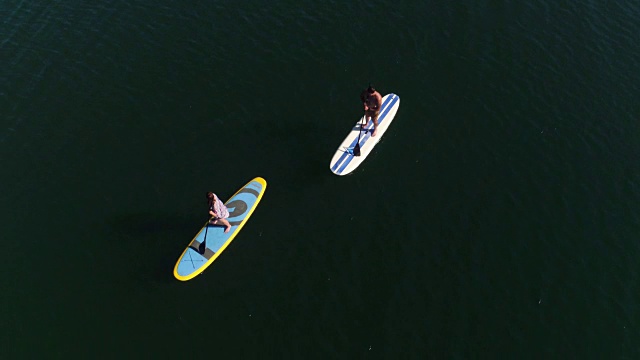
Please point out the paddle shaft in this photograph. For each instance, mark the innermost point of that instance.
(203, 245)
(356, 149)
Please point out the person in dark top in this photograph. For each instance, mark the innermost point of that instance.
(372, 101)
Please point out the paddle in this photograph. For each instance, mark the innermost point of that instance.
(203, 244)
(356, 149)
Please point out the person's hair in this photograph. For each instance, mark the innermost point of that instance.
(210, 198)
(371, 89)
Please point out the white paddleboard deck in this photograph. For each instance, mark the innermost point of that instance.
(343, 161)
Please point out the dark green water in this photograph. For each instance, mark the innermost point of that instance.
(497, 218)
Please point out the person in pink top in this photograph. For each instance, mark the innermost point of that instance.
(218, 211)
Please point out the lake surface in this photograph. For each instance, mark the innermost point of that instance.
(497, 218)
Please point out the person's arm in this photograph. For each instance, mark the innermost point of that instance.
(363, 98)
(378, 100)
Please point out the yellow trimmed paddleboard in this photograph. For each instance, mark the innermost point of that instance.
(196, 258)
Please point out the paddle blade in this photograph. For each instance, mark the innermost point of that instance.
(356, 150)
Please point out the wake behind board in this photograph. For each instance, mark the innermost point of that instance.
(344, 161)
(241, 205)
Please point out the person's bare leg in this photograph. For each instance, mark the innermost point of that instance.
(226, 223)
(222, 222)
(375, 125)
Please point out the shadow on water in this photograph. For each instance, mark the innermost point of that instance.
(159, 238)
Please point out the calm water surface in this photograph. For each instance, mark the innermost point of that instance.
(497, 218)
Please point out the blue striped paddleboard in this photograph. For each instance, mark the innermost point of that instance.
(241, 205)
(343, 161)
